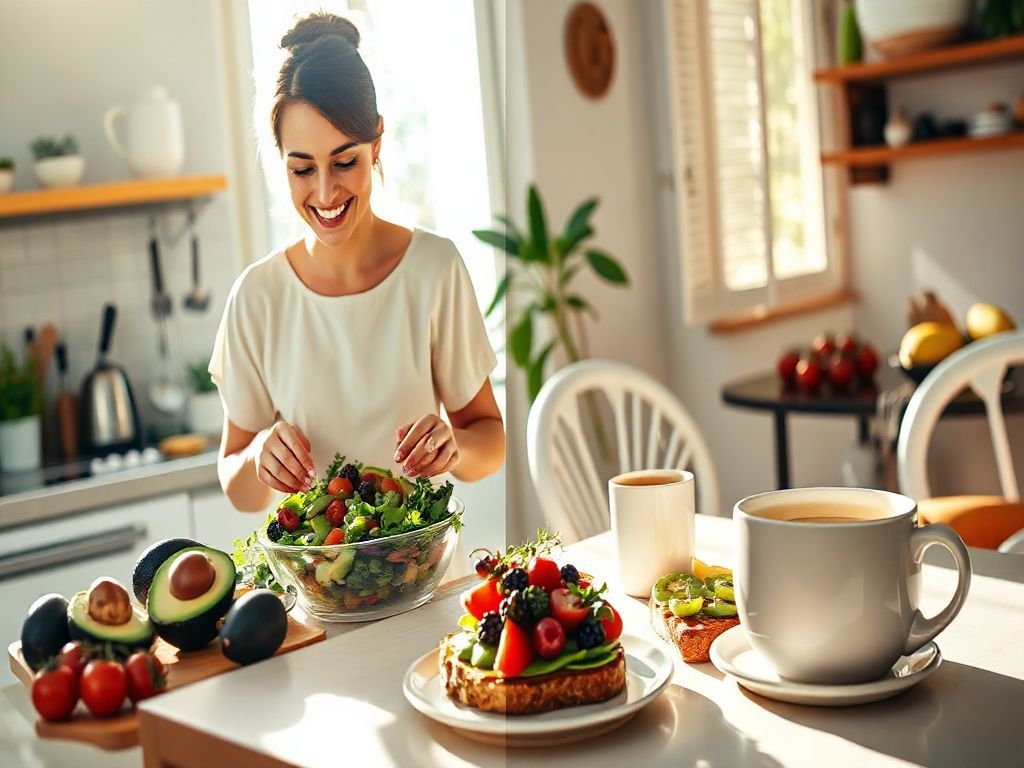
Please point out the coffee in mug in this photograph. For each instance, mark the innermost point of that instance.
(828, 581)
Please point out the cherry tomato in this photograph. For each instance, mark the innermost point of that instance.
(514, 650)
(336, 536)
(567, 608)
(612, 623)
(867, 362)
(387, 484)
(335, 513)
(823, 345)
(55, 692)
(847, 343)
(103, 687)
(72, 656)
(340, 486)
(548, 638)
(146, 675)
(787, 367)
(808, 373)
(288, 519)
(841, 370)
(483, 598)
(544, 573)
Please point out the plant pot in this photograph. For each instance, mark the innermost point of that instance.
(21, 446)
(57, 172)
(204, 413)
(6, 180)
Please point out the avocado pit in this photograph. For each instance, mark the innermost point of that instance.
(109, 602)
(191, 575)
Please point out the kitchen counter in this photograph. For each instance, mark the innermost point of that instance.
(43, 499)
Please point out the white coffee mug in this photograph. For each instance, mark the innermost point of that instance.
(652, 526)
(837, 602)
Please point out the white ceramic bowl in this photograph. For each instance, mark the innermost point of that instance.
(56, 172)
(6, 180)
(908, 26)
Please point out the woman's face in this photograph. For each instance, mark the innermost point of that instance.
(329, 173)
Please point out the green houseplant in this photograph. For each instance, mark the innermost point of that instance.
(203, 412)
(57, 161)
(542, 268)
(20, 432)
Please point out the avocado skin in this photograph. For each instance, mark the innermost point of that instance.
(45, 630)
(151, 560)
(195, 633)
(254, 628)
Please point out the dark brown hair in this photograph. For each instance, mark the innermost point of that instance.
(324, 69)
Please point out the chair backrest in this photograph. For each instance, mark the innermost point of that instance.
(982, 366)
(652, 430)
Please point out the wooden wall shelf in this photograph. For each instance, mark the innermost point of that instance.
(869, 156)
(109, 195)
(957, 56)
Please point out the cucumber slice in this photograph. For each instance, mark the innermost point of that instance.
(720, 609)
(320, 527)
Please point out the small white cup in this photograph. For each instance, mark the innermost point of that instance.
(652, 526)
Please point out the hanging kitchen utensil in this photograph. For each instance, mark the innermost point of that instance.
(46, 340)
(164, 393)
(198, 299)
(67, 424)
(110, 420)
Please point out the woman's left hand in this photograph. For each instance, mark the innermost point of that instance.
(427, 447)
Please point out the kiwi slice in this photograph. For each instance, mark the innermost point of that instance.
(724, 590)
(720, 609)
(682, 607)
(676, 585)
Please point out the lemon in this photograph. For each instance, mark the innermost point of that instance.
(928, 343)
(986, 319)
(702, 570)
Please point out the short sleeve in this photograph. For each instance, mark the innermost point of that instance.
(462, 354)
(236, 367)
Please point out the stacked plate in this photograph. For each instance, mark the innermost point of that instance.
(909, 26)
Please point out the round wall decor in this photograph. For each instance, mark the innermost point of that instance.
(589, 49)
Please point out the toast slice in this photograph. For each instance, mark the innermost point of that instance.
(692, 635)
(485, 690)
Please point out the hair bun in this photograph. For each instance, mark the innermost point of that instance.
(316, 26)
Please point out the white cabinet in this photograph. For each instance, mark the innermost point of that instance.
(216, 523)
(65, 555)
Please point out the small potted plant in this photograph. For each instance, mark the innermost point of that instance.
(20, 432)
(204, 413)
(6, 174)
(58, 163)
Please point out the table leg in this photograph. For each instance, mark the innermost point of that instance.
(863, 429)
(781, 451)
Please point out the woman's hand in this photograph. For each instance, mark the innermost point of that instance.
(282, 458)
(427, 447)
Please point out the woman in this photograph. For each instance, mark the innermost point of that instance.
(351, 339)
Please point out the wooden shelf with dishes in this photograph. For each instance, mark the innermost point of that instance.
(118, 194)
(864, 103)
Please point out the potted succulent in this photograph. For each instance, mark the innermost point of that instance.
(20, 432)
(6, 174)
(203, 413)
(57, 161)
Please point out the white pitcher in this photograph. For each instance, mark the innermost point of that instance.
(155, 134)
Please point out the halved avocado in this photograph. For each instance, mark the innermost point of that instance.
(151, 559)
(137, 632)
(191, 624)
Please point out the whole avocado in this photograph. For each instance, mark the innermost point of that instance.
(150, 561)
(45, 630)
(254, 628)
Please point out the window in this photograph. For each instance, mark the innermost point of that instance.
(750, 185)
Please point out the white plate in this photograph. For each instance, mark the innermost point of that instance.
(732, 653)
(648, 671)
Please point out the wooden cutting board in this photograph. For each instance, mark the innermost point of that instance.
(122, 731)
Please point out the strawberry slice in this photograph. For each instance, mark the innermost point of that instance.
(515, 651)
(483, 598)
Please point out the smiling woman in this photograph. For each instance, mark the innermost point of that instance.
(354, 337)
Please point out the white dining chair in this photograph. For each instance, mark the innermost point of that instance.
(651, 430)
(982, 366)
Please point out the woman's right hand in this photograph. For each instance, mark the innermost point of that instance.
(283, 460)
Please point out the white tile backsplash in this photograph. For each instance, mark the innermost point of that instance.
(12, 246)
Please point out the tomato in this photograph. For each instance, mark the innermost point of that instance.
(824, 345)
(567, 608)
(847, 343)
(612, 623)
(841, 371)
(146, 675)
(72, 656)
(808, 373)
(335, 512)
(103, 686)
(483, 598)
(544, 573)
(514, 650)
(387, 484)
(787, 367)
(336, 536)
(340, 486)
(288, 519)
(55, 692)
(370, 477)
(867, 362)
(548, 638)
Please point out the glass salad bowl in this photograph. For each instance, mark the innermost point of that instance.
(370, 579)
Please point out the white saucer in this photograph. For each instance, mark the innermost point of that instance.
(648, 670)
(732, 653)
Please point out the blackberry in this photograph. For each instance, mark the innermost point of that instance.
(275, 531)
(538, 604)
(516, 579)
(368, 493)
(590, 634)
(351, 473)
(570, 575)
(513, 608)
(489, 629)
